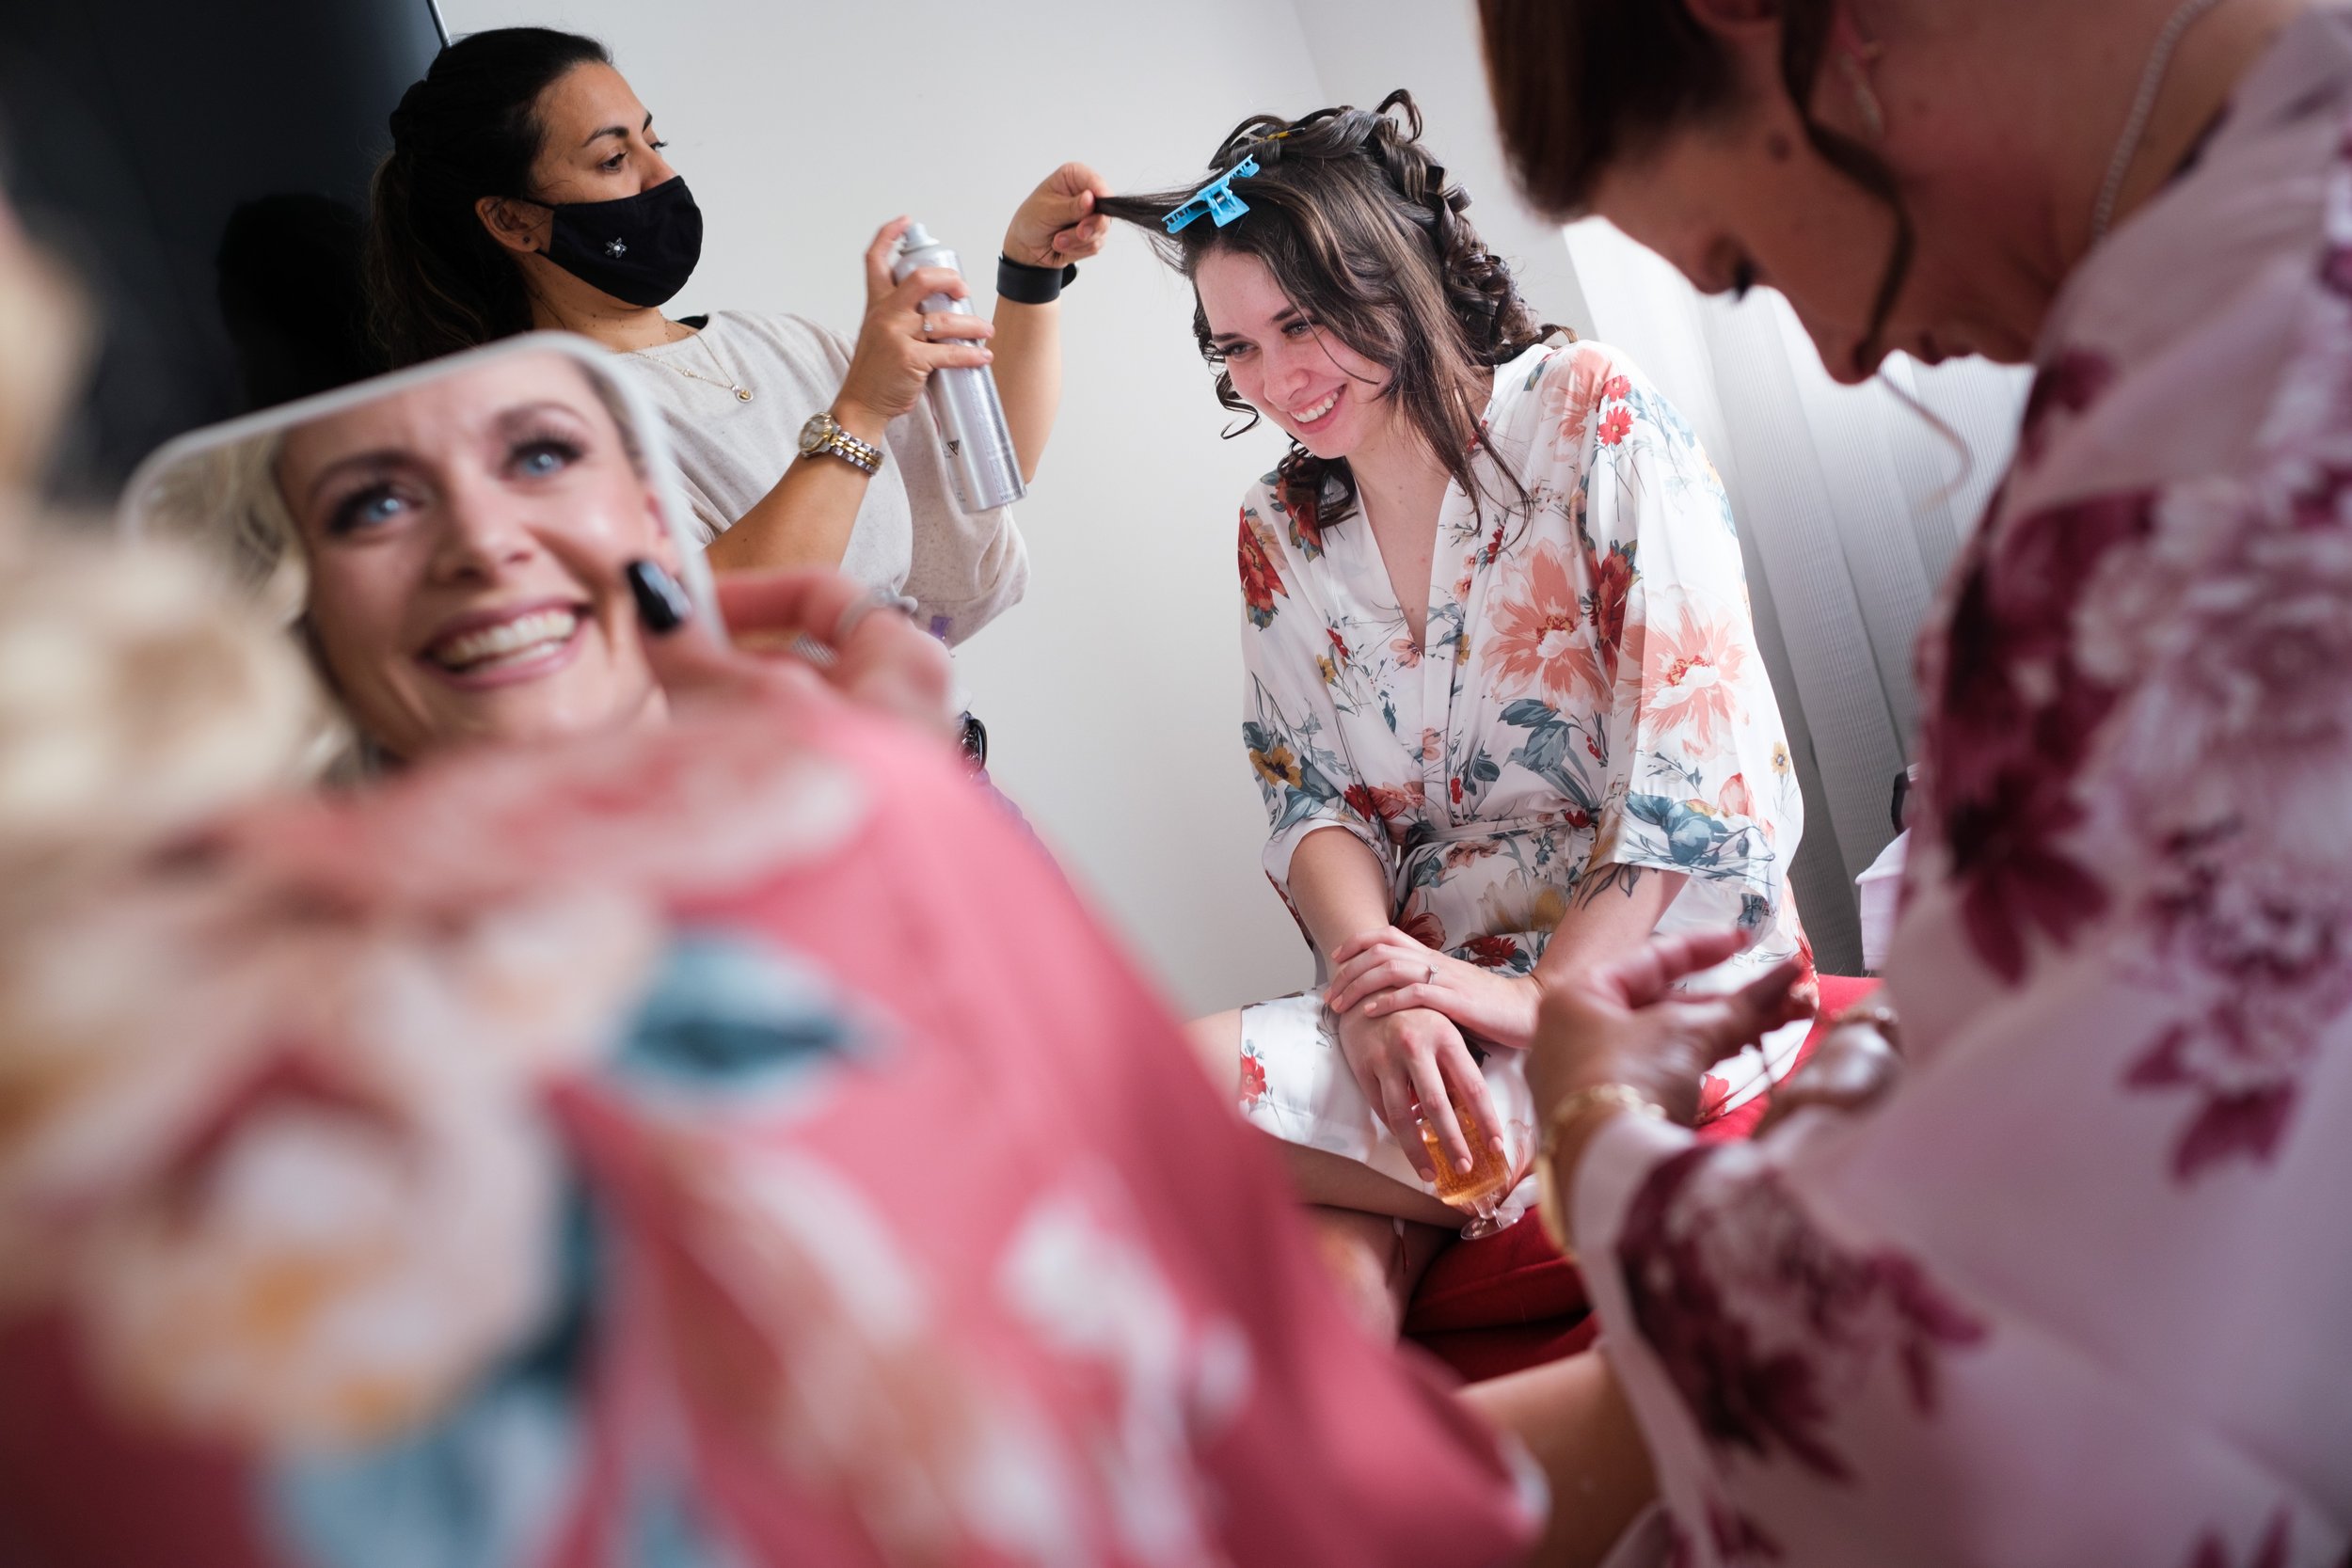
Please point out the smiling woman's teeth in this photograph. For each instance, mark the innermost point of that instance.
(509, 643)
(1309, 415)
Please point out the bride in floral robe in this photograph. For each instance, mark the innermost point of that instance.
(1588, 703)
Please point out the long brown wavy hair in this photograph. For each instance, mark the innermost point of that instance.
(1361, 229)
(1580, 84)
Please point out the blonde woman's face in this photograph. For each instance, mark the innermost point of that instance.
(464, 541)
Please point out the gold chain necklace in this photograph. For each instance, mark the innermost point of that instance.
(729, 380)
(2143, 107)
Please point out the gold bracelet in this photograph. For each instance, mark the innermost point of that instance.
(1551, 1201)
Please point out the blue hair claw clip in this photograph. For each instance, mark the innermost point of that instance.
(1216, 198)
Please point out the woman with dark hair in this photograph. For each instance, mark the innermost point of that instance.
(1505, 701)
(526, 188)
(2075, 1290)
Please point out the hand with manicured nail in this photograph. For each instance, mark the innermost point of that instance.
(1412, 1065)
(1388, 970)
(881, 660)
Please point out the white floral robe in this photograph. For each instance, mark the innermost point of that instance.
(1589, 697)
(2080, 1293)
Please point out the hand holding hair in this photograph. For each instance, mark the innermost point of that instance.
(1056, 224)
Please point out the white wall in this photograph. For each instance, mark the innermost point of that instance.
(1363, 48)
(1112, 695)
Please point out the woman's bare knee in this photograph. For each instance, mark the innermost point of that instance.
(1216, 1042)
(1377, 1262)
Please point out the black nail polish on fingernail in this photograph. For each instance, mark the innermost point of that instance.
(661, 604)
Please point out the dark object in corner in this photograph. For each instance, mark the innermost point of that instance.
(291, 296)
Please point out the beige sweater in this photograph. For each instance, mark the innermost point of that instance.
(911, 536)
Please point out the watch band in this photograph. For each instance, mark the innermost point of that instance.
(1550, 1203)
(837, 442)
(1024, 284)
(860, 454)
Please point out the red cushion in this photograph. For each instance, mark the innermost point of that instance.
(1510, 1301)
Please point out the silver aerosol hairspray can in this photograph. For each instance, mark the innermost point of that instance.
(971, 416)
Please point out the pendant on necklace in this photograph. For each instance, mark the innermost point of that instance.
(742, 394)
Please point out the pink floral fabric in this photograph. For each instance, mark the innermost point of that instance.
(2077, 1294)
(720, 1146)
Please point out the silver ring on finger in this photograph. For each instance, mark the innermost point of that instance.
(922, 323)
(1432, 978)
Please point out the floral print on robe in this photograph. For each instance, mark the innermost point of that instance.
(1587, 700)
(1590, 694)
(720, 1145)
(2077, 1292)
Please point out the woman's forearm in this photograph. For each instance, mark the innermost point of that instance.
(1339, 887)
(806, 519)
(1028, 376)
(1613, 910)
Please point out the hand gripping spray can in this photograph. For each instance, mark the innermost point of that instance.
(963, 400)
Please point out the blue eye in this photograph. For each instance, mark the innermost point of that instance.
(370, 508)
(544, 457)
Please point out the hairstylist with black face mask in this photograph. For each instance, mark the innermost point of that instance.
(526, 189)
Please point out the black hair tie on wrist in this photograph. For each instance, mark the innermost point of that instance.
(1026, 285)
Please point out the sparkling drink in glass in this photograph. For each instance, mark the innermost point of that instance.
(1492, 1175)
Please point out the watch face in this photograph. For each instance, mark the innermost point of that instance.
(813, 433)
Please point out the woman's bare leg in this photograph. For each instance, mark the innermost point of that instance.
(1574, 1420)
(1336, 1182)
(1354, 1207)
(1331, 1180)
(1376, 1262)
(1215, 1040)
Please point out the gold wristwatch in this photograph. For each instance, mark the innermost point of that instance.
(1552, 1205)
(823, 435)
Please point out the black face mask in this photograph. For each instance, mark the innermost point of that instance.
(641, 248)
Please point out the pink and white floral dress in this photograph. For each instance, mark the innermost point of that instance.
(2079, 1292)
(1587, 696)
(722, 1145)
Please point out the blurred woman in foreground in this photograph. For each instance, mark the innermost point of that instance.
(2075, 1294)
(509, 1162)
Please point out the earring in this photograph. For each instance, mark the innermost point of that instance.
(1856, 69)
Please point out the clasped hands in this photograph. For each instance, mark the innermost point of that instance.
(1406, 1013)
